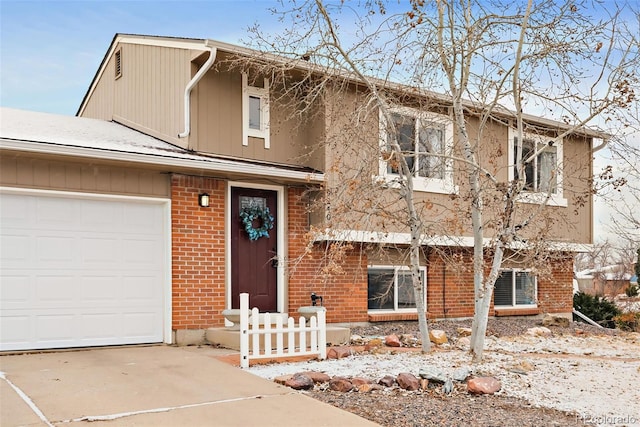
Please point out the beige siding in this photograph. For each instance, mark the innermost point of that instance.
(217, 126)
(367, 206)
(149, 95)
(21, 171)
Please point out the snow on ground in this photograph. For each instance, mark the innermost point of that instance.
(597, 377)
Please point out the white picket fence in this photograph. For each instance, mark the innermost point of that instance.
(251, 334)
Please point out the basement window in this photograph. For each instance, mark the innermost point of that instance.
(391, 288)
(118, 64)
(515, 288)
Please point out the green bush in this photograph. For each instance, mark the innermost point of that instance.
(631, 291)
(597, 309)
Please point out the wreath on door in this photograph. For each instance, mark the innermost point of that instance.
(250, 214)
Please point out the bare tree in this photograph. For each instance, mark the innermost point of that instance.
(482, 64)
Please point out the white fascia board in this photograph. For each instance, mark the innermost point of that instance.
(393, 238)
(210, 165)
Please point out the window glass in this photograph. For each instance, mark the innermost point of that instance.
(406, 297)
(547, 178)
(525, 288)
(431, 141)
(540, 171)
(380, 290)
(503, 292)
(254, 112)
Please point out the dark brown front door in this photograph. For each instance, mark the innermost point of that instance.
(253, 264)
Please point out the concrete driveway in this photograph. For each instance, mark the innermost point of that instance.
(154, 386)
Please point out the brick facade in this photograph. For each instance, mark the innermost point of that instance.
(198, 253)
(344, 293)
(198, 275)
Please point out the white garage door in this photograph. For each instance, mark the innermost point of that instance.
(81, 271)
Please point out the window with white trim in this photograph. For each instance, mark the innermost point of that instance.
(255, 111)
(515, 288)
(391, 288)
(543, 171)
(426, 141)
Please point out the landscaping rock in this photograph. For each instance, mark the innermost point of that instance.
(408, 381)
(317, 377)
(357, 381)
(463, 343)
(338, 352)
(540, 331)
(559, 321)
(392, 341)
(357, 340)
(464, 332)
(409, 340)
(373, 344)
(367, 388)
(461, 374)
(483, 385)
(438, 336)
(340, 384)
(387, 381)
(299, 382)
(432, 373)
(447, 387)
(282, 379)
(424, 383)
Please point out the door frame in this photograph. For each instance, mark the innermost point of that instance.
(280, 230)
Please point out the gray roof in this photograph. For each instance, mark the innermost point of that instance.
(79, 136)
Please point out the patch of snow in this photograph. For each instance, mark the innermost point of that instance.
(596, 377)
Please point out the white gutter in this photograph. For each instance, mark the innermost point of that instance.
(191, 162)
(194, 81)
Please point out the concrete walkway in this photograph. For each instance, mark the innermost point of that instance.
(154, 386)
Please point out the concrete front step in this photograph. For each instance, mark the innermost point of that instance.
(230, 338)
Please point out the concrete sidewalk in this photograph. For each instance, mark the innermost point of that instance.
(154, 386)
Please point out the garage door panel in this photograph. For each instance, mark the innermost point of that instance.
(88, 272)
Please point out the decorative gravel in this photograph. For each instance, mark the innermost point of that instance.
(591, 378)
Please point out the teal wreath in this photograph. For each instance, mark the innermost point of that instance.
(248, 215)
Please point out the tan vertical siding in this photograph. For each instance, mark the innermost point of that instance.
(149, 94)
(20, 171)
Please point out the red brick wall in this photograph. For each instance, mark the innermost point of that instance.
(344, 293)
(555, 294)
(198, 253)
(198, 275)
(449, 287)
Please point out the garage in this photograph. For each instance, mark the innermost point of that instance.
(82, 269)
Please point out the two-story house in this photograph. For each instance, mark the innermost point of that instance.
(204, 184)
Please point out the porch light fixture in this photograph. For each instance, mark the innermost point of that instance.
(203, 200)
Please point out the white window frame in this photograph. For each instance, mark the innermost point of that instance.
(396, 269)
(555, 199)
(432, 185)
(513, 305)
(263, 94)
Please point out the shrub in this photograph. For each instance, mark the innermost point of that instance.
(596, 308)
(631, 291)
(628, 322)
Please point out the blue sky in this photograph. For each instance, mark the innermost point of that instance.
(50, 50)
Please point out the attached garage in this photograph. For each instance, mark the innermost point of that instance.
(80, 269)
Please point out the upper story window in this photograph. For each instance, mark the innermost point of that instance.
(515, 288)
(391, 288)
(425, 140)
(255, 111)
(543, 171)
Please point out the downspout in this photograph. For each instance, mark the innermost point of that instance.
(194, 81)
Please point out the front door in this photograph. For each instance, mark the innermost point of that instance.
(253, 253)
